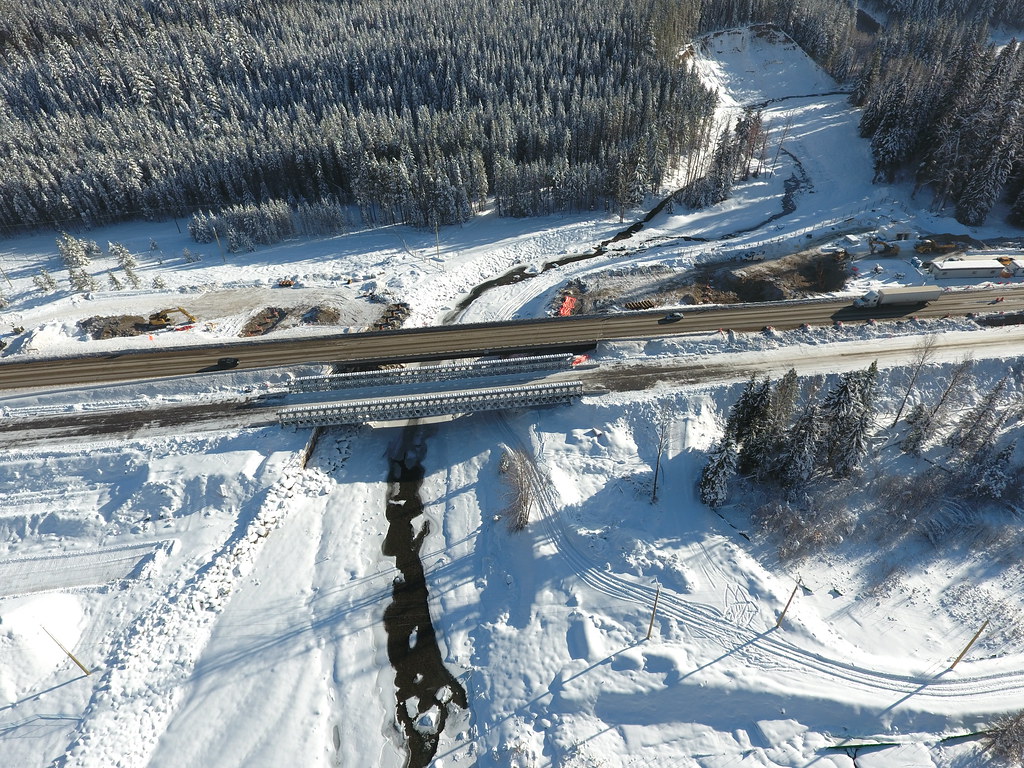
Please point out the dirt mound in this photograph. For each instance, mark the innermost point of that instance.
(264, 321)
(112, 327)
(787, 278)
(321, 316)
(647, 287)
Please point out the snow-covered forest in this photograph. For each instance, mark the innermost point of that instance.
(941, 101)
(121, 111)
(983, 11)
(799, 452)
(579, 604)
(117, 110)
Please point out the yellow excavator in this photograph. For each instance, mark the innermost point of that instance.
(883, 247)
(162, 318)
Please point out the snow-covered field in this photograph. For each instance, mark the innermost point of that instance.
(228, 601)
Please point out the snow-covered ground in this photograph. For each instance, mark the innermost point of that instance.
(228, 600)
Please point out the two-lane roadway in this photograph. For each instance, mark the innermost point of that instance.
(445, 342)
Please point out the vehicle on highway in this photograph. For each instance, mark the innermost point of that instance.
(671, 317)
(913, 294)
(227, 362)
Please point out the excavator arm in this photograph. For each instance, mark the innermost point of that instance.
(162, 318)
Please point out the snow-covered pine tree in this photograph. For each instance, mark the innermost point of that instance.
(772, 409)
(126, 261)
(745, 411)
(975, 428)
(81, 281)
(44, 281)
(72, 252)
(996, 474)
(784, 399)
(919, 421)
(848, 411)
(847, 454)
(801, 451)
(718, 473)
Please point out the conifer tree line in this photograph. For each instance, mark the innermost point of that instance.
(801, 454)
(119, 109)
(768, 438)
(990, 12)
(943, 106)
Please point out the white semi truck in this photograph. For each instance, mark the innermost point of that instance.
(916, 294)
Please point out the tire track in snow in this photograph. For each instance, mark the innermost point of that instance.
(767, 650)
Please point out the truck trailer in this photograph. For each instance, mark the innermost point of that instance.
(916, 294)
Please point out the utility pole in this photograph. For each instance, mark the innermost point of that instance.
(778, 149)
(71, 656)
(783, 614)
(650, 627)
(973, 641)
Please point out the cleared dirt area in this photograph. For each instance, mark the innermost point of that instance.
(791, 277)
(264, 321)
(118, 326)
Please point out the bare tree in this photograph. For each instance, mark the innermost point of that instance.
(924, 422)
(922, 354)
(664, 418)
(952, 391)
(1005, 740)
(516, 467)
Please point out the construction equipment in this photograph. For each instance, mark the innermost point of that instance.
(162, 318)
(930, 246)
(285, 283)
(883, 247)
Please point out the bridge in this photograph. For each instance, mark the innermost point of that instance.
(420, 406)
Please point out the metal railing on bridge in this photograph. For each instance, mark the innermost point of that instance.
(447, 372)
(416, 406)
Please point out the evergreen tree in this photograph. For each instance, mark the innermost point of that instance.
(995, 474)
(749, 410)
(977, 425)
(126, 261)
(73, 252)
(784, 399)
(848, 411)
(718, 473)
(801, 450)
(44, 281)
(82, 281)
(920, 430)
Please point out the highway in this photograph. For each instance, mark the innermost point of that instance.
(237, 411)
(478, 339)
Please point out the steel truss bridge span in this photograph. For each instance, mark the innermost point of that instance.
(432, 373)
(419, 406)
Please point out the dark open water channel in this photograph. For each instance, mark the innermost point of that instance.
(424, 687)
